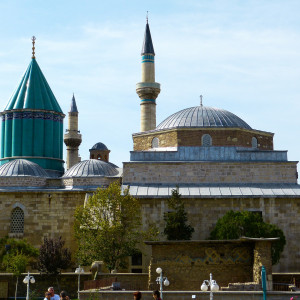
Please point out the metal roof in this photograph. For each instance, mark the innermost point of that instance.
(22, 167)
(203, 116)
(73, 105)
(33, 92)
(147, 44)
(91, 168)
(99, 146)
(216, 191)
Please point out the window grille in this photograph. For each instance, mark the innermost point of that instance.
(17, 220)
(206, 140)
(155, 142)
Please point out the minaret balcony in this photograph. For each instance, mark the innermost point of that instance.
(154, 85)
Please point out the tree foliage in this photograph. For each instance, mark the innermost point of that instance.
(53, 256)
(176, 227)
(108, 227)
(235, 224)
(18, 257)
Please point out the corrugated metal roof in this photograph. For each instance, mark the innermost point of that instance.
(218, 191)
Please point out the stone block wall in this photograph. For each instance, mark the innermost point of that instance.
(193, 137)
(46, 214)
(209, 172)
(203, 214)
(89, 181)
(27, 181)
(187, 264)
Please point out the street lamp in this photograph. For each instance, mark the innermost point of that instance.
(28, 279)
(213, 286)
(79, 271)
(161, 280)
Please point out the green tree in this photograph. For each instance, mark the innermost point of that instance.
(235, 224)
(17, 257)
(176, 227)
(108, 227)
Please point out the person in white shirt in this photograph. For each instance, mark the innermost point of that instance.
(50, 295)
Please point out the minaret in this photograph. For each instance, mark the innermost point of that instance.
(72, 138)
(148, 89)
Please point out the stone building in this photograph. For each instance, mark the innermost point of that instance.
(216, 160)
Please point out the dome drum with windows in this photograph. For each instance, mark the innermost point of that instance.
(203, 126)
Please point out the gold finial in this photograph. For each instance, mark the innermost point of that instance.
(147, 17)
(201, 100)
(33, 48)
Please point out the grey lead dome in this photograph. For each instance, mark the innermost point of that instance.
(91, 168)
(22, 167)
(99, 146)
(203, 116)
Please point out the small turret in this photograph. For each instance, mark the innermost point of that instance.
(148, 89)
(72, 138)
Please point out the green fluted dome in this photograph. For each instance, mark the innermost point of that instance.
(33, 92)
(32, 124)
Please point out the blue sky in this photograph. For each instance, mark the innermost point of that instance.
(242, 56)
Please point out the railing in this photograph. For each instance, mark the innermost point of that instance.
(294, 286)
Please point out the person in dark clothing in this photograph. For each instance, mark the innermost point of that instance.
(156, 295)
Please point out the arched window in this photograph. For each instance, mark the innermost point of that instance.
(206, 140)
(155, 143)
(17, 220)
(254, 142)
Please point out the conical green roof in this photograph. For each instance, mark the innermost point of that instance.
(33, 92)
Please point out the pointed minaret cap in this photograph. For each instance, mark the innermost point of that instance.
(147, 45)
(73, 105)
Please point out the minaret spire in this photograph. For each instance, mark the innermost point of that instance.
(148, 89)
(72, 138)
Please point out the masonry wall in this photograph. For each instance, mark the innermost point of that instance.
(193, 137)
(46, 214)
(209, 172)
(188, 264)
(203, 214)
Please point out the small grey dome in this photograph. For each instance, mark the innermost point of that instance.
(203, 116)
(99, 146)
(91, 168)
(22, 167)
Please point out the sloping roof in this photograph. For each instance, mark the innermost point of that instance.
(33, 92)
(216, 191)
(203, 116)
(22, 167)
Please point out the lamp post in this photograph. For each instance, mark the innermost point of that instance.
(28, 279)
(210, 283)
(79, 271)
(161, 281)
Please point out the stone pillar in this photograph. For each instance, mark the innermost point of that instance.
(262, 257)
